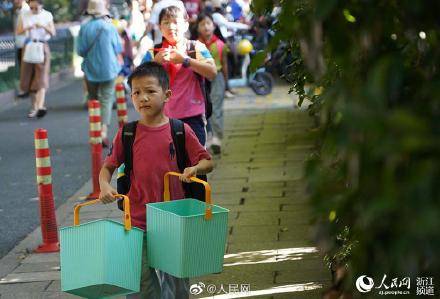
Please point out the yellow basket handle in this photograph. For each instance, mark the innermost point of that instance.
(166, 191)
(127, 216)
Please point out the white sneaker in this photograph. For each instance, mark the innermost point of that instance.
(229, 95)
(216, 145)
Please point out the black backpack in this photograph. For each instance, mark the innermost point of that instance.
(192, 190)
(205, 84)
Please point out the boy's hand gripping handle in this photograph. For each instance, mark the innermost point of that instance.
(166, 192)
(127, 217)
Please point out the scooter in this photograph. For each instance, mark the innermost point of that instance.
(260, 81)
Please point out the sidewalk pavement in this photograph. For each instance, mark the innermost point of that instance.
(259, 178)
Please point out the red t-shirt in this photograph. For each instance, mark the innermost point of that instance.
(152, 158)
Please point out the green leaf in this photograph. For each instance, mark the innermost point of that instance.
(348, 16)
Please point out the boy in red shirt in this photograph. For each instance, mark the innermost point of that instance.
(152, 158)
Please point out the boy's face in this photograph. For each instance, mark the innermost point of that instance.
(174, 28)
(148, 96)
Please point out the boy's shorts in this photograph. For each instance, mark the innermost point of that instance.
(158, 284)
(150, 287)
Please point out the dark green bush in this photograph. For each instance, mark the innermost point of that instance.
(375, 176)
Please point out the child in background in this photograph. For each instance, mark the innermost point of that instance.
(152, 158)
(187, 101)
(205, 28)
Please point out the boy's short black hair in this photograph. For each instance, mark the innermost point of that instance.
(172, 12)
(151, 69)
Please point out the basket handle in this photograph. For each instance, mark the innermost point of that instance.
(166, 192)
(127, 216)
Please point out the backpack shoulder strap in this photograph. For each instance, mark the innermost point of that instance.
(128, 136)
(191, 49)
(94, 41)
(156, 48)
(178, 135)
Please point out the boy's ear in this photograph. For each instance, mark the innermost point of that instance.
(168, 94)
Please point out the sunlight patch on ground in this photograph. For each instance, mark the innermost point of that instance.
(246, 99)
(267, 256)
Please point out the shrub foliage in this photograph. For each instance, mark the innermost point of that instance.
(375, 177)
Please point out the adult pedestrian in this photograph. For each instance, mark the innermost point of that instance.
(37, 24)
(99, 44)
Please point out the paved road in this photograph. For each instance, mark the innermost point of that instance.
(67, 125)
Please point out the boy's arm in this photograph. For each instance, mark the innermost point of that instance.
(203, 167)
(107, 191)
(206, 68)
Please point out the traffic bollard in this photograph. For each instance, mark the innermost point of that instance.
(121, 105)
(95, 145)
(49, 229)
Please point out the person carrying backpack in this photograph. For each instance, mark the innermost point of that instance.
(153, 154)
(99, 44)
(188, 64)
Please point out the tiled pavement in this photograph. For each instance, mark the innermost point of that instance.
(258, 177)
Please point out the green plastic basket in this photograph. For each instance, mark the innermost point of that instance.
(186, 238)
(101, 258)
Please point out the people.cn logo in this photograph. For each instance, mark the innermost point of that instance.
(364, 284)
(197, 288)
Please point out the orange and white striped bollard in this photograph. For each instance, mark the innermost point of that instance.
(121, 104)
(96, 145)
(49, 228)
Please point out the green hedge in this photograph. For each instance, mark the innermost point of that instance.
(374, 178)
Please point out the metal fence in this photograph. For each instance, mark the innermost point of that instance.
(61, 47)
